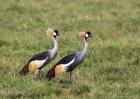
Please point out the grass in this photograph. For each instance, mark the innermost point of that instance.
(111, 69)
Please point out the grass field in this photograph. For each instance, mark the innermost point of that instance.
(111, 69)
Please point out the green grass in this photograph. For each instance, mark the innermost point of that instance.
(111, 69)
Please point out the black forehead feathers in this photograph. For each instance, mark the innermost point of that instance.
(56, 31)
(89, 33)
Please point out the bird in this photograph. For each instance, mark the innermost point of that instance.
(39, 60)
(71, 61)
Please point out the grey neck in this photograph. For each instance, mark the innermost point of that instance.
(85, 49)
(55, 48)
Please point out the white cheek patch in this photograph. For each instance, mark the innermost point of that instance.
(86, 35)
(54, 33)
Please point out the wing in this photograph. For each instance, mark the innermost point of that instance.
(66, 59)
(40, 56)
(61, 66)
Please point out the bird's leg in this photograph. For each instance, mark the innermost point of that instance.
(36, 73)
(39, 73)
(70, 76)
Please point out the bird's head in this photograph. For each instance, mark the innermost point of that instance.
(52, 33)
(85, 35)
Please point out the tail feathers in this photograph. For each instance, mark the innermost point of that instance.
(50, 74)
(24, 70)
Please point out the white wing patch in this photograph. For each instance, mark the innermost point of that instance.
(66, 65)
(40, 62)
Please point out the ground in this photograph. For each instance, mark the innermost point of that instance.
(111, 69)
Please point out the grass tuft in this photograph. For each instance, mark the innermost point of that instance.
(80, 89)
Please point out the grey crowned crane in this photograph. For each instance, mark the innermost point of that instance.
(38, 61)
(71, 61)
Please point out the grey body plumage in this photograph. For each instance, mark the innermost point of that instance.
(78, 58)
